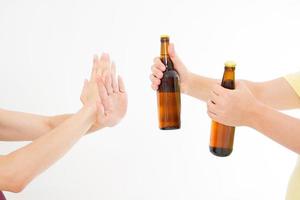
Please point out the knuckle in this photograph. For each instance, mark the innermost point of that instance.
(151, 77)
(159, 67)
(152, 67)
(155, 60)
(158, 74)
(157, 81)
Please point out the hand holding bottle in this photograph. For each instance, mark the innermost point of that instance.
(158, 68)
(232, 107)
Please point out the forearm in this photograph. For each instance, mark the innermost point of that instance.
(24, 164)
(18, 126)
(57, 120)
(279, 127)
(276, 93)
(199, 87)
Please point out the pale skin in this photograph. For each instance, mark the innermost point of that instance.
(19, 126)
(252, 104)
(53, 137)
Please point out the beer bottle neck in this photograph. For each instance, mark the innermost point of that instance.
(229, 73)
(164, 55)
(164, 45)
(228, 80)
(166, 60)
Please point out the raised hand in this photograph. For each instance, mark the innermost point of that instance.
(90, 97)
(111, 91)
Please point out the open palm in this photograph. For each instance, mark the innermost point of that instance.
(115, 103)
(111, 90)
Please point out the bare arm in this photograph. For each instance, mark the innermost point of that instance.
(199, 87)
(191, 84)
(18, 126)
(275, 93)
(281, 128)
(18, 168)
(240, 107)
(101, 109)
(251, 104)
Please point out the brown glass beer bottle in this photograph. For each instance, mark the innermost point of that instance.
(168, 93)
(222, 136)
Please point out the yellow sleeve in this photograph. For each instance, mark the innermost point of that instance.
(294, 81)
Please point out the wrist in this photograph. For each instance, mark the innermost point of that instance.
(254, 115)
(185, 85)
(90, 111)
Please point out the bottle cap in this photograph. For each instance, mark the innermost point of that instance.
(164, 38)
(230, 63)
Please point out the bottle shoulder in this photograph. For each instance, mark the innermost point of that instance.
(170, 73)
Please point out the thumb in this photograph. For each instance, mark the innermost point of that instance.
(176, 60)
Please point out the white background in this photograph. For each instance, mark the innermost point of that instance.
(46, 50)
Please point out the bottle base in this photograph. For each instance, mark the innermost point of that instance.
(220, 152)
(170, 128)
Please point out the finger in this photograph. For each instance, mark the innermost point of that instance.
(211, 107)
(154, 87)
(155, 80)
(156, 71)
(107, 62)
(94, 69)
(156, 59)
(108, 83)
(159, 64)
(213, 116)
(121, 84)
(102, 91)
(176, 60)
(114, 77)
(171, 50)
(218, 90)
(104, 64)
(214, 98)
(84, 91)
